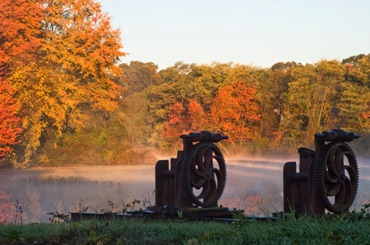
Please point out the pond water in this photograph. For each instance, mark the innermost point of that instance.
(26, 196)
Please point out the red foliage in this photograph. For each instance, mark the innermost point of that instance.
(233, 112)
(178, 123)
(198, 118)
(9, 121)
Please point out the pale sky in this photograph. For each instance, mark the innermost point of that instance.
(250, 32)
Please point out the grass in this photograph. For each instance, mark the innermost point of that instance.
(337, 230)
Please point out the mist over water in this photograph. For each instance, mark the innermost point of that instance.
(255, 186)
(70, 189)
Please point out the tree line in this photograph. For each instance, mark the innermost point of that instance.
(260, 109)
(66, 97)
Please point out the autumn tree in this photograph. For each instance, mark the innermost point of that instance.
(171, 89)
(20, 30)
(178, 123)
(198, 117)
(234, 112)
(73, 73)
(193, 86)
(10, 129)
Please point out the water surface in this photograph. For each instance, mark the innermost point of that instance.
(255, 186)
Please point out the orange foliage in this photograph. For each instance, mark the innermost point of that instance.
(20, 26)
(9, 121)
(178, 123)
(61, 57)
(84, 48)
(234, 110)
(198, 118)
(278, 136)
(365, 115)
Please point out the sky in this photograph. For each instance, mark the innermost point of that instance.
(259, 33)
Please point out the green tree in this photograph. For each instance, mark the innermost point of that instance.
(358, 69)
(353, 105)
(271, 96)
(134, 105)
(171, 89)
(205, 80)
(311, 101)
(138, 76)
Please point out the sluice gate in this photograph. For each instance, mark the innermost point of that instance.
(191, 184)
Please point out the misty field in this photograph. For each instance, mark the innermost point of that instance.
(254, 186)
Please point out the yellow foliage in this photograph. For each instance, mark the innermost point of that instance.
(72, 73)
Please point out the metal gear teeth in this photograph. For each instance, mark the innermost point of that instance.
(320, 179)
(190, 156)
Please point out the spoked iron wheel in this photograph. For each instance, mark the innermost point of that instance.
(337, 177)
(204, 174)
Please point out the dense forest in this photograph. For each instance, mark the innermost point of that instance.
(67, 97)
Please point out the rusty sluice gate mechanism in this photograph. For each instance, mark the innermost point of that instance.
(190, 185)
(327, 179)
(194, 181)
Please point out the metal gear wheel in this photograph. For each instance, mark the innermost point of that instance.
(337, 177)
(204, 174)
